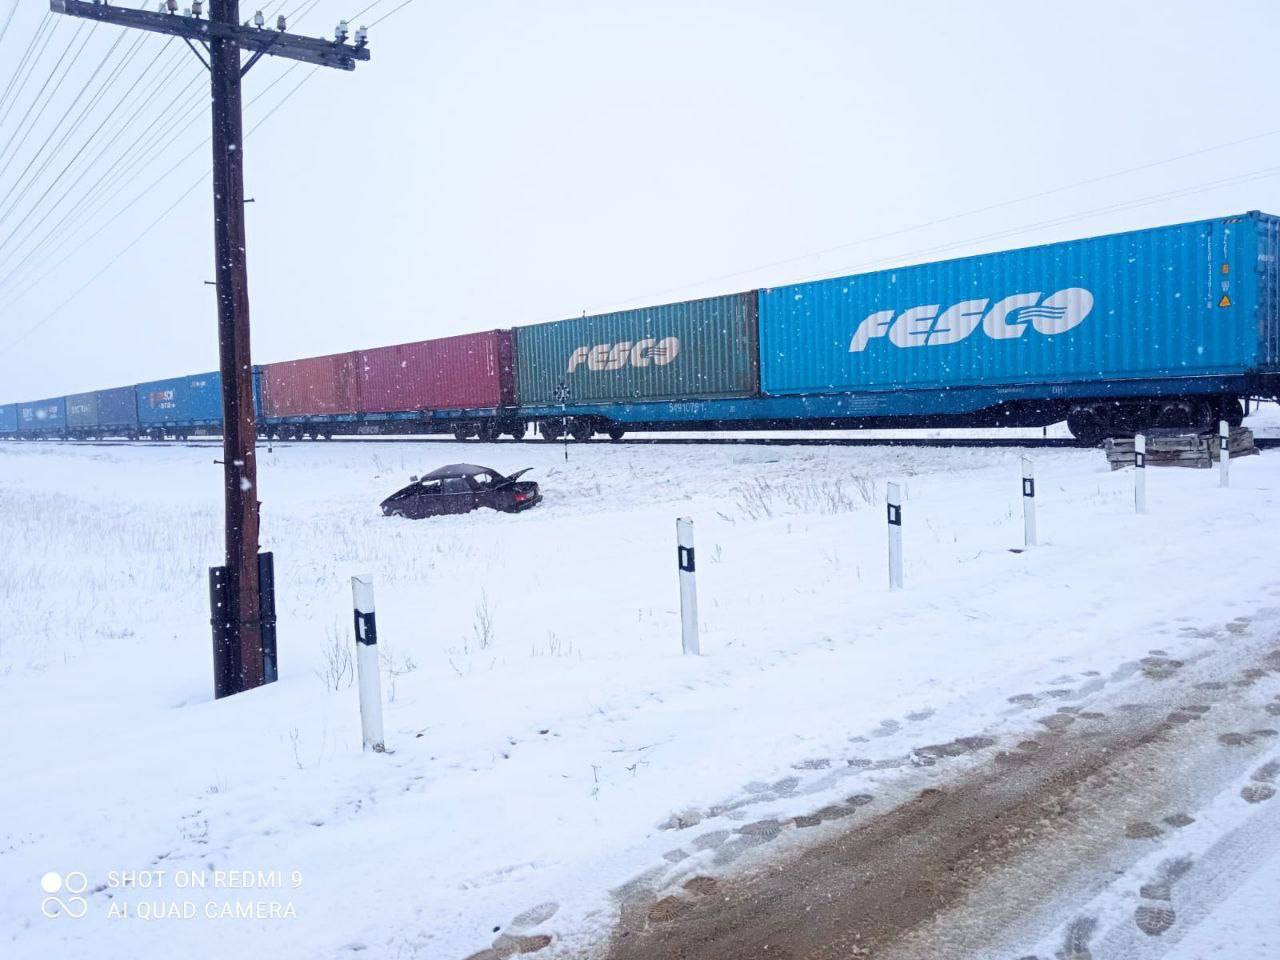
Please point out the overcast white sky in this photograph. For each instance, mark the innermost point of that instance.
(501, 163)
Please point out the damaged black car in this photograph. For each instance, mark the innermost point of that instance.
(461, 488)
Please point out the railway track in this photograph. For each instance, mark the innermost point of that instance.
(1263, 443)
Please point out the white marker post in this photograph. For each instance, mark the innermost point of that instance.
(894, 499)
(1028, 503)
(1140, 474)
(1224, 454)
(367, 665)
(688, 587)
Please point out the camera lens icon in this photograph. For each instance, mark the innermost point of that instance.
(73, 906)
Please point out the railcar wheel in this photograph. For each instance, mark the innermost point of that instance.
(616, 433)
(1232, 411)
(1085, 425)
(1176, 413)
(550, 429)
(1204, 416)
(582, 430)
(488, 431)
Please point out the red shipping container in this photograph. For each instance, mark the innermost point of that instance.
(316, 386)
(471, 371)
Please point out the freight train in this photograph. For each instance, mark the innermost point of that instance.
(1170, 326)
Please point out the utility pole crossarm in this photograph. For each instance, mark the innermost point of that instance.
(257, 40)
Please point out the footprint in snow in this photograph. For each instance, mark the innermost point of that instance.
(1154, 919)
(1263, 785)
(1154, 916)
(1142, 830)
(1075, 942)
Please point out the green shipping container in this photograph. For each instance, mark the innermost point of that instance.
(699, 349)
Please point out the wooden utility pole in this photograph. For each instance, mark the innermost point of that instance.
(239, 420)
(241, 659)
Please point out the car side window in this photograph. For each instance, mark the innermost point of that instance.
(456, 485)
(429, 486)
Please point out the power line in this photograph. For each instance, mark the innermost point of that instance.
(123, 182)
(281, 102)
(94, 100)
(28, 62)
(19, 134)
(146, 230)
(105, 120)
(118, 173)
(121, 179)
(389, 13)
(9, 19)
(1124, 205)
(939, 221)
(364, 11)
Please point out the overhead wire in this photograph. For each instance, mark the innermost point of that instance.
(20, 133)
(145, 231)
(152, 225)
(93, 197)
(94, 99)
(77, 216)
(1124, 205)
(18, 81)
(119, 172)
(101, 195)
(365, 10)
(127, 102)
(70, 163)
(390, 13)
(8, 20)
(124, 181)
(939, 221)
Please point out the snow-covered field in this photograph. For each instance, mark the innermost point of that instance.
(545, 732)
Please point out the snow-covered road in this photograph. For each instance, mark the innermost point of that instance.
(554, 757)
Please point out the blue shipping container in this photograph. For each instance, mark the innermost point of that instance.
(9, 418)
(195, 400)
(1190, 300)
(117, 408)
(103, 410)
(43, 416)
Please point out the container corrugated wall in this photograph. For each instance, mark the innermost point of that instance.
(1268, 308)
(103, 410)
(117, 407)
(82, 411)
(471, 371)
(197, 398)
(9, 418)
(1146, 304)
(700, 349)
(315, 386)
(43, 416)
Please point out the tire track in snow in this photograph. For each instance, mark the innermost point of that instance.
(1004, 852)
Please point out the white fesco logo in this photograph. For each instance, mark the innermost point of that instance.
(931, 326)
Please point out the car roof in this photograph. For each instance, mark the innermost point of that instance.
(456, 470)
